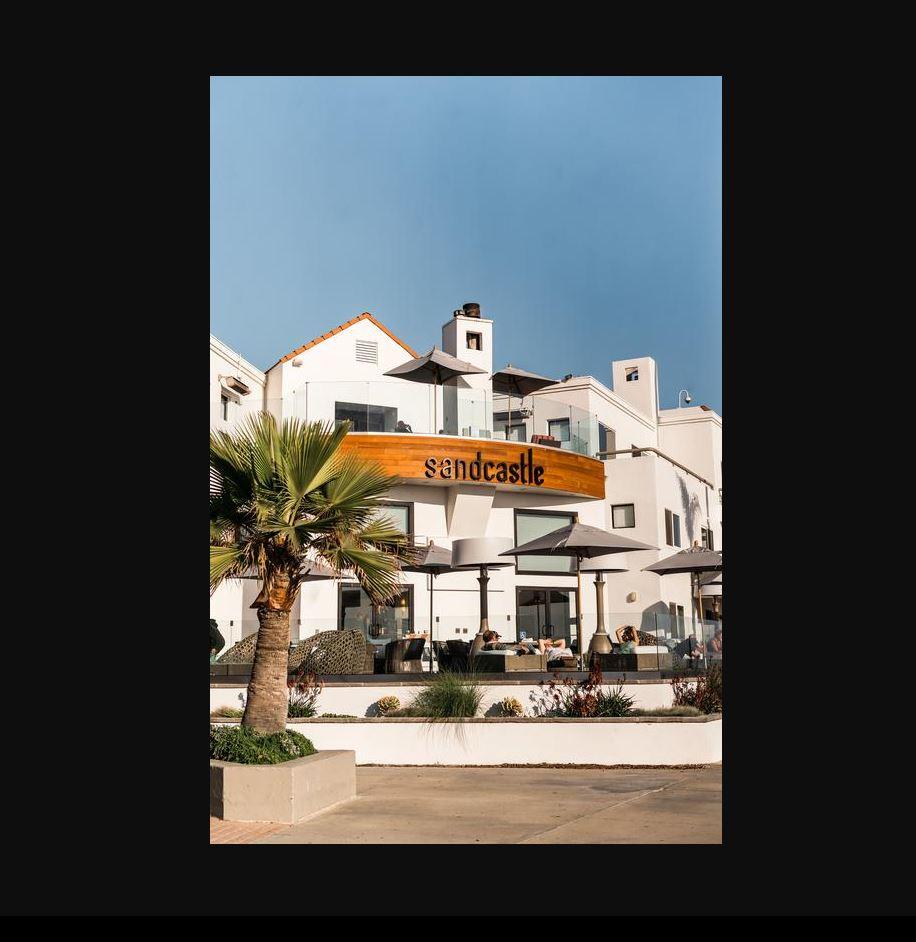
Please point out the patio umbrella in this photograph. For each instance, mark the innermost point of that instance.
(434, 560)
(435, 368)
(583, 542)
(511, 381)
(695, 560)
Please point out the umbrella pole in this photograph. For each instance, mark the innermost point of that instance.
(579, 613)
(432, 585)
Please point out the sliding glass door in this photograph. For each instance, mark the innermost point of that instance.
(546, 613)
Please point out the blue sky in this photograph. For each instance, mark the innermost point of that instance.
(582, 213)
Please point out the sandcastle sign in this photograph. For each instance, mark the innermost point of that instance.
(523, 471)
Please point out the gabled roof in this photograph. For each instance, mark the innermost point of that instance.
(366, 316)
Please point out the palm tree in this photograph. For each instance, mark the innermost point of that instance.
(281, 497)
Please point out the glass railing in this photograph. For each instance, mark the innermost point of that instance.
(401, 407)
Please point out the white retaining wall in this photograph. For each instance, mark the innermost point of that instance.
(356, 700)
(624, 741)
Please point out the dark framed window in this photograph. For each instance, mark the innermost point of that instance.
(559, 429)
(623, 515)
(224, 407)
(401, 515)
(379, 624)
(676, 614)
(631, 373)
(546, 613)
(529, 525)
(365, 418)
(672, 529)
(607, 439)
(474, 341)
(707, 538)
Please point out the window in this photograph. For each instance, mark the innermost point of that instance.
(559, 429)
(366, 351)
(529, 525)
(672, 529)
(707, 538)
(516, 433)
(379, 624)
(676, 614)
(607, 440)
(632, 373)
(224, 407)
(623, 515)
(546, 613)
(474, 341)
(366, 418)
(401, 516)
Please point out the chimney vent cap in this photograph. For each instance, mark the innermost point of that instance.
(471, 309)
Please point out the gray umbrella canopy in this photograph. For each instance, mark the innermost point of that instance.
(579, 540)
(311, 572)
(693, 559)
(435, 560)
(583, 542)
(431, 558)
(435, 368)
(511, 381)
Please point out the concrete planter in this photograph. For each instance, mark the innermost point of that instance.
(286, 792)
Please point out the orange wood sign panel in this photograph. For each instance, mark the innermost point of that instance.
(442, 460)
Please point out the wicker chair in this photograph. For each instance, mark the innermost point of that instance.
(334, 652)
(404, 656)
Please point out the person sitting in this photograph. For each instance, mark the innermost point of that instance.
(714, 645)
(403, 427)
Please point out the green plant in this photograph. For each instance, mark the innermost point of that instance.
(227, 711)
(303, 694)
(245, 745)
(450, 694)
(669, 711)
(282, 496)
(613, 702)
(387, 705)
(511, 707)
(704, 693)
(583, 699)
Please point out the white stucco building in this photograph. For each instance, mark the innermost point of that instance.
(667, 494)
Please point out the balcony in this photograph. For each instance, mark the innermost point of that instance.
(398, 407)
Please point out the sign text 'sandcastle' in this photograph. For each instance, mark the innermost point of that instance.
(525, 471)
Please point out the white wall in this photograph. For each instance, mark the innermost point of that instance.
(357, 700)
(696, 741)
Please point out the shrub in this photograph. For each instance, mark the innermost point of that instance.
(582, 699)
(387, 705)
(227, 711)
(304, 689)
(511, 707)
(243, 744)
(705, 693)
(450, 694)
(669, 711)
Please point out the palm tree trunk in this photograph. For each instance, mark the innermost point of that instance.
(267, 702)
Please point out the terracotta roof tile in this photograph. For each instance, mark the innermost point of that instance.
(336, 330)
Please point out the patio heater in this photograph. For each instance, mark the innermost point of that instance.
(599, 565)
(481, 553)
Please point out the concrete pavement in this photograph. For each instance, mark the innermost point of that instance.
(442, 805)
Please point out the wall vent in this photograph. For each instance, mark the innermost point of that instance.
(366, 351)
